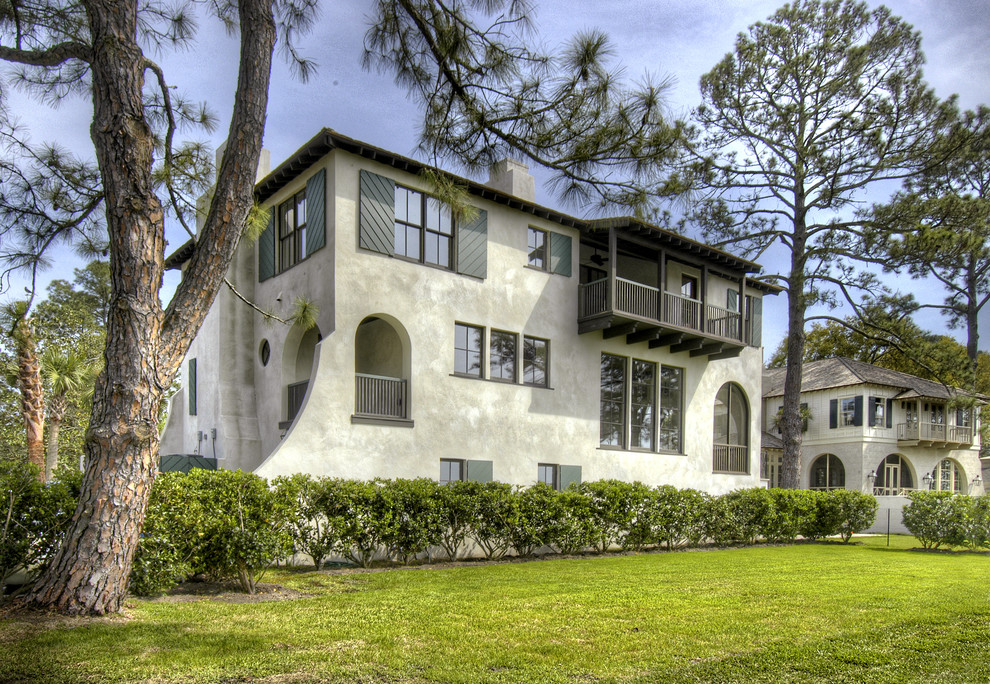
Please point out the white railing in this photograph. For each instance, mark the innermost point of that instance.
(730, 458)
(934, 432)
(681, 311)
(894, 491)
(380, 396)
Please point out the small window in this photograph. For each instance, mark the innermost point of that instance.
(451, 470)
(467, 349)
(292, 231)
(536, 361)
(963, 417)
(689, 286)
(502, 356)
(537, 246)
(847, 414)
(265, 352)
(732, 300)
(548, 474)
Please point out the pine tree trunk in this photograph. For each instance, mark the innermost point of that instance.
(790, 424)
(145, 345)
(32, 396)
(54, 424)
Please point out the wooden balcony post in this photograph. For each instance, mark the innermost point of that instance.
(613, 253)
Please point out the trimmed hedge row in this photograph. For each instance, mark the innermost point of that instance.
(230, 524)
(941, 518)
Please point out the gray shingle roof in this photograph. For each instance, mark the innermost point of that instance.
(842, 372)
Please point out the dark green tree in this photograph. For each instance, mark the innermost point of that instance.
(938, 226)
(484, 93)
(813, 106)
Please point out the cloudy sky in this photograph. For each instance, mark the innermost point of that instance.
(680, 39)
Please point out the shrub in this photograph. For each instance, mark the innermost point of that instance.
(362, 517)
(827, 518)
(494, 507)
(456, 513)
(574, 528)
(678, 516)
(755, 511)
(33, 517)
(537, 508)
(641, 530)
(311, 532)
(929, 517)
(857, 510)
(794, 511)
(609, 505)
(417, 520)
(719, 520)
(978, 535)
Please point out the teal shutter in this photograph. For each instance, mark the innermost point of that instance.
(560, 254)
(569, 474)
(266, 249)
(757, 320)
(316, 209)
(377, 219)
(472, 246)
(479, 471)
(192, 387)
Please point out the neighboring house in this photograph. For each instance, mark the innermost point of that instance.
(519, 344)
(879, 431)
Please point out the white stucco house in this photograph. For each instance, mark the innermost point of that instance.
(878, 431)
(519, 344)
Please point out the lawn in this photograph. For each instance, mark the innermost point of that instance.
(810, 612)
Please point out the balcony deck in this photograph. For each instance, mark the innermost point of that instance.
(934, 434)
(645, 314)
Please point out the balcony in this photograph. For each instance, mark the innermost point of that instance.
(934, 434)
(381, 397)
(730, 458)
(645, 314)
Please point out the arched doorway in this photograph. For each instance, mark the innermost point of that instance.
(893, 476)
(382, 369)
(297, 369)
(731, 433)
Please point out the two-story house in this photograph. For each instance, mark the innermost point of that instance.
(879, 431)
(517, 343)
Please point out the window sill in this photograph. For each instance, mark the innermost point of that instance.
(634, 450)
(382, 420)
(510, 383)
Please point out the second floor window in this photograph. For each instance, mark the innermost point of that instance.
(502, 356)
(467, 349)
(292, 231)
(537, 247)
(424, 228)
(848, 411)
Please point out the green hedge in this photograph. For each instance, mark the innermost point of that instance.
(232, 524)
(944, 519)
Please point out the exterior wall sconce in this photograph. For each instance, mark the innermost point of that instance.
(872, 477)
(927, 479)
(977, 482)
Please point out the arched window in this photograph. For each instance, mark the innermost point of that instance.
(731, 435)
(827, 473)
(893, 475)
(382, 363)
(948, 476)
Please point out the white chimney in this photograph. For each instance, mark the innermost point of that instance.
(512, 177)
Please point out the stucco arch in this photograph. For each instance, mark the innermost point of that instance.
(731, 438)
(827, 471)
(298, 359)
(894, 463)
(382, 367)
(948, 475)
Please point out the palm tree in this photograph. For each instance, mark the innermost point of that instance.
(65, 373)
(18, 324)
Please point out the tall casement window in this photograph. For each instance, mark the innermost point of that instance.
(643, 404)
(671, 401)
(292, 231)
(827, 473)
(845, 412)
(467, 349)
(731, 434)
(645, 380)
(424, 228)
(536, 244)
(948, 476)
(502, 356)
(536, 361)
(963, 416)
(613, 400)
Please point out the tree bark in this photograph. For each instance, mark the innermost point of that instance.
(54, 425)
(791, 423)
(32, 395)
(145, 344)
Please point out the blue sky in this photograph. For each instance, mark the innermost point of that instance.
(681, 39)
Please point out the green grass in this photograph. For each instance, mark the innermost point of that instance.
(863, 613)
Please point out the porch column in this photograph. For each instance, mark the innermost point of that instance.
(613, 251)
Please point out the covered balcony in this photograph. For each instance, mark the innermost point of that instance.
(657, 287)
(933, 434)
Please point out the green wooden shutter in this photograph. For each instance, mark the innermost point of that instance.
(479, 471)
(316, 205)
(266, 249)
(757, 321)
(377, 219)
(569, 475)
(472, 246)
(560, 254)
(192, 387)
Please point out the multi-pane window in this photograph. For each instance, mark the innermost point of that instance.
(689, 286)
(847, 411)
(643, 403)
(424, 228)
(292, 231)
(536, 356)
(948, 476)
(548, 474)
(731, 416)
(467, 349)
(451, 470)
(963, 417)
(827, 473)
(502, 356)
(613, 399)
(878, 407)
(671, 401)
(537, 247)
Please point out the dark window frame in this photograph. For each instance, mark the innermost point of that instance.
(650, 426)
(494, 355)
(679, 410)
(554, 470)
(291, 240)
(462, 468)
(527, 362)
(541, 260)
(422, 227)
(466, 372)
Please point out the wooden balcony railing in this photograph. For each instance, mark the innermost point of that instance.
(380, 396)
(681, 311)
(636, 299)
(934, 432)
(731, 458)
(723, 323)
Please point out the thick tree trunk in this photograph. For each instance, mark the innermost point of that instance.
(972, 318)
(144, 344)
(51, 463)
(32, 396)
(790, 424)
